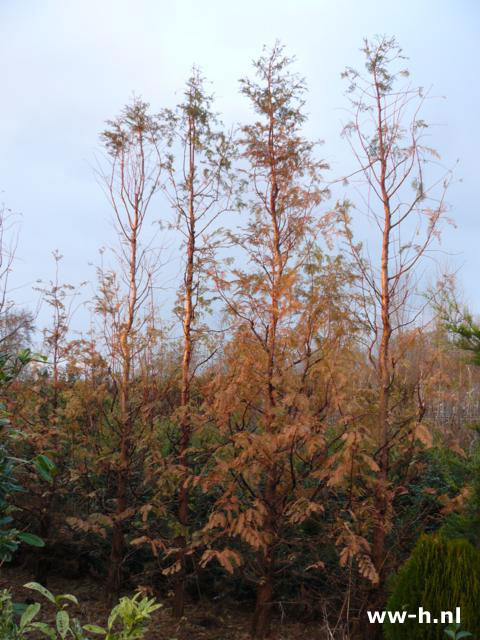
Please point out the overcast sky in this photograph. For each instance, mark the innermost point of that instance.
(69, 65)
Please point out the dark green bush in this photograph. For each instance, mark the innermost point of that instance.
(466, 523)
(440, 575)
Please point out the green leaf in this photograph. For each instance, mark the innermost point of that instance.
(45, 629)
(63, 623)
(42, 472)
(68, 596)
(38, 587)
(51, 466)
(31, 539)
(19, 608)
(29, 613)
(45, 468)
(93, 628)
(113, 616)
(463, 634)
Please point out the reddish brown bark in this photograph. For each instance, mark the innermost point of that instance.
(185, 421)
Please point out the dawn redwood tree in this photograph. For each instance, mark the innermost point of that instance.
(272, 392)
(199, 189)
(131, 180)
(41, 405)
(404, 205)
(60, 298)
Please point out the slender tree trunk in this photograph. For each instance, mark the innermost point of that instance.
(264, 603)
(185, 424)
(131, 141)
(262, 617)
(381, 495)
(185, 430)
(117, 555)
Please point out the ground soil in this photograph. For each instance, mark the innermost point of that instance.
(202, 621)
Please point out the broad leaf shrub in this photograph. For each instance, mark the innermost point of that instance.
(454, 631)
(440, 575)
(128, 620)
(11, 366)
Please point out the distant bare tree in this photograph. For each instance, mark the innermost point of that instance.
(16, 326)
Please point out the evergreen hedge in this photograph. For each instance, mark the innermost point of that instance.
(440, 575)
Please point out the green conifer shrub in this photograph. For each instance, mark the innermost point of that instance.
(440, 575)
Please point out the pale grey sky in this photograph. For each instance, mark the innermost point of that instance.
(69, 65)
